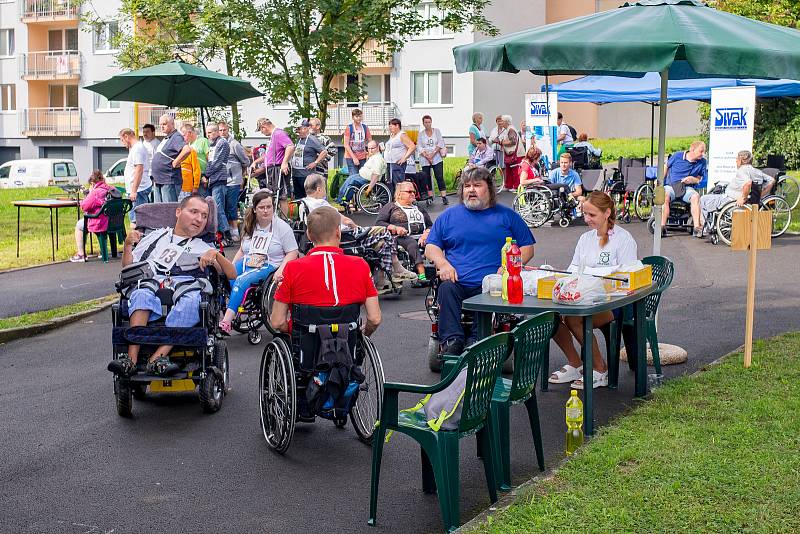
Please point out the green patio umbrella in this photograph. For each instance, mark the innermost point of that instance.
(176, 84)
(678, 38)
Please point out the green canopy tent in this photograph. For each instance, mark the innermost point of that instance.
(176, 84)
(680, 39)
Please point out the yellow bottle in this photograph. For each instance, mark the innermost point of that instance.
(503, 252)
(574, 423)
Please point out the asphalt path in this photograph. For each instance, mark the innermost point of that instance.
(69, 464)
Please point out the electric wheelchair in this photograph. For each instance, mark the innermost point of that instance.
(201, 357)
(326, 367)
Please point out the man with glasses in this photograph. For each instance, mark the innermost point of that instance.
(370, 172)
(408, 223)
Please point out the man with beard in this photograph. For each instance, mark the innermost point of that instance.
(464, 244)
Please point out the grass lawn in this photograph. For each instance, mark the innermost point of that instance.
(637, 147)
(714, 452)
(43, 316)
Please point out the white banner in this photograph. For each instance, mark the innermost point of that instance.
(731, 130)
(539, 114)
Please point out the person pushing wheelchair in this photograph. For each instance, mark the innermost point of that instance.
(464, 244)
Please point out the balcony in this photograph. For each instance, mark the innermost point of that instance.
(376, 116)
(33, 11)
(51, 122)
(149, 114)
(51, 65)
(369, 55)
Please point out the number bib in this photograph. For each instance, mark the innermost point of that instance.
(297, 158)
(416, 221)
(259, 249)
(167, 254)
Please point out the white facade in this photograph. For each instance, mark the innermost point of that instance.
(94, 142)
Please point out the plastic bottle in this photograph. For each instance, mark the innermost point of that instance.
(574, 423)
(503, 259)
(514, 268)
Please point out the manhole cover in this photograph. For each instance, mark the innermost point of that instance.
(415, 315)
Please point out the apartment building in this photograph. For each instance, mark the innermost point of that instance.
(48, 56)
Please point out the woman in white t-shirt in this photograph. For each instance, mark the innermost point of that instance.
(605, 246)
(268, 244)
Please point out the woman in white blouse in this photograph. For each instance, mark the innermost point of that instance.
(431, 150)
(606, 245)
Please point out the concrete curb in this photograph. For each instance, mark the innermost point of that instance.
(11, 334)
(505, 500)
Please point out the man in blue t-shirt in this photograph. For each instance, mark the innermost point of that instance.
(565, 175)
(684, 170)
(465, 243)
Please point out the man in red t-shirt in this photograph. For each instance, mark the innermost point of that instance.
(326, 277)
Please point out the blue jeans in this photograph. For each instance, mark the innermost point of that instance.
(397, 174)
(217, 191)
(348, 188)
(232, 202)
(451, 295)
(352, 168)
(245, 280)
(164, 193)
(142, 197)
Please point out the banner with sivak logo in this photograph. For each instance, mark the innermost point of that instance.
(540, 121)
(730, 130)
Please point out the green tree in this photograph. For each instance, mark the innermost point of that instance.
(777, 127)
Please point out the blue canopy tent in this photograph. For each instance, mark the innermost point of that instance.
(608, 89)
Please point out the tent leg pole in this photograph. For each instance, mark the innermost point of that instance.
(652, 129)
(662, 134)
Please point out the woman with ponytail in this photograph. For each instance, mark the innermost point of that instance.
(604, 246)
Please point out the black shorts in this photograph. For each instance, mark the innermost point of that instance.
(278, 182)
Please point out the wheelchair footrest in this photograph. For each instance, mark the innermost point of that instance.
(160, 335)
(144, 377)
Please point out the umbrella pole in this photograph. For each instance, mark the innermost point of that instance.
(658, 201)
(203, 122)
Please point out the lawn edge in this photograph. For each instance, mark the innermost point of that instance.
(505, 500)
(20, 332)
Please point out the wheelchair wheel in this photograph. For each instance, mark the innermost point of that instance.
(643, 201)
(534, 207)
(139, 392)
(781, 213)
(434, 362)
(367, 409)
(254, 337)
(277, 395)
(212, 391)
(563, 222)
(788, 188)
(497, 177)
(378, 197)
(222, 363)
(724, 224)
(651, 225)
(268, 289)
(124, 397)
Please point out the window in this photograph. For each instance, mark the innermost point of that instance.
(63, 96)
(428, 11)
(6, 42)
(103, 104)
(432, 88)
(451, 149)
(104, 35)
(8, 97)
(66, 39)
(63, 170)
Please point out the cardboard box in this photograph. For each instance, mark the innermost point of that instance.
(634, 279)
(544, 287)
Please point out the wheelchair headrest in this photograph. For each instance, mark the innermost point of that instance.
(156, 215)
(304, 315)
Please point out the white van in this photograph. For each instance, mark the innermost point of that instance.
(38, 173)
(116, 173)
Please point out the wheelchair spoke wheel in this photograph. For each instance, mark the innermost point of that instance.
(725, 222)
(534, 207)
(781, 213)
(269, 288)
(643, 201)
(367, 409)
(788, 188)
(278, 395)
(377, 198)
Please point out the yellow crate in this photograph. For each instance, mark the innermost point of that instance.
(544, 287)
(634, 279)
(158, 386)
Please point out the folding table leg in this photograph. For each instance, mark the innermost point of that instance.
(588, 376)
(641, 348)
(52, 238)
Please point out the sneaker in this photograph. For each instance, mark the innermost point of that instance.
(454, 347)
(566, 374)
(122, 367)
(162, 367)
(600, 380)
(445, 202)
(77, 258)
(698, 232)
(224, 328)
(500, 189)
(400, 276)
(663, 231)
(385, 288)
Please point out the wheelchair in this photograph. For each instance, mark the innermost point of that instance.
(371, 202)
(501, 322)
(256, 309)
(719, 224)
(494, 171)
(538, 204)
(295, 378)
(202, 357)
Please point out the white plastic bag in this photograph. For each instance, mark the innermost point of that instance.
(530, 281)
(492, 283)
(579, 288)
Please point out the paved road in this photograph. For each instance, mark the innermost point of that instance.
(67, 460)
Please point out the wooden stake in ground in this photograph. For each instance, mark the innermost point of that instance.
(751, 231)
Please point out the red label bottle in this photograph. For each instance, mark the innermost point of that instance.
(514, 266)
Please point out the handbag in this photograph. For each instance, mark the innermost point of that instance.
(133, 273)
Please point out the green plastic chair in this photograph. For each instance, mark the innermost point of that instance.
(531, 341)
(663, 273)
(439, 449)
(115, 209)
